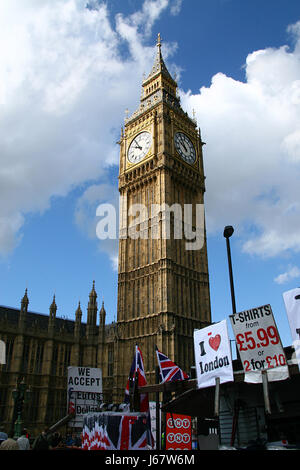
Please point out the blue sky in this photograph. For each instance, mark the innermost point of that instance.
(67, 75)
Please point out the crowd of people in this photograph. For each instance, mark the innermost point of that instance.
(44, 441)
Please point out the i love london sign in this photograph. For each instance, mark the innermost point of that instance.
(213, 355)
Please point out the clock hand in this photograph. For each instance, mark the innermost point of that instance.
(184, 146)
(182, 142)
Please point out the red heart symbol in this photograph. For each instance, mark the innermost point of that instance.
(214, 342)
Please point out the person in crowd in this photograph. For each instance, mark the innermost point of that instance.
(70, 441)
(3, 436)
(9, 444)
(41, 442)
(23, 441)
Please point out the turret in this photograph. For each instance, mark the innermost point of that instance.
(92, 312)
(78, 316)
(102, 315)
(53, 309)
(23, 310)
(24, 303)
(52, 315)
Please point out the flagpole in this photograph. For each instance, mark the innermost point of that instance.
(158, 439)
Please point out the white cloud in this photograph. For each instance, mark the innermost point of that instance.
(146, 16)
(62, 86)
(176, 7)
(252, 156)
(63, 83)
(85, 212)
(293, 272)
(87, 220)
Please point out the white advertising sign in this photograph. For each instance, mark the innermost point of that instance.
(259, 344)
(292, 305)
(84, 392)
(213, 355)
(87, 379)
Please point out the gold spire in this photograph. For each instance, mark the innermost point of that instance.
(159, 65)
(158, 41)
(158, 86)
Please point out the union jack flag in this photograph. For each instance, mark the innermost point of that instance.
(137, 368)
(115, 431)
(169, 371)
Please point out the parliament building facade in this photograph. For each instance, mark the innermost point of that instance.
(163, 287)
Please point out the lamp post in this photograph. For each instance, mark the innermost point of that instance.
(228, 231)
(21, 396)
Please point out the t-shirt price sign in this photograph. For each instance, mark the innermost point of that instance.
(259, 344)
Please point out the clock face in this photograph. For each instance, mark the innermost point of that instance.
(185, 147)
(139, 147)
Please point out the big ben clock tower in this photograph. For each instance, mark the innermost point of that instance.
(163, 287)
